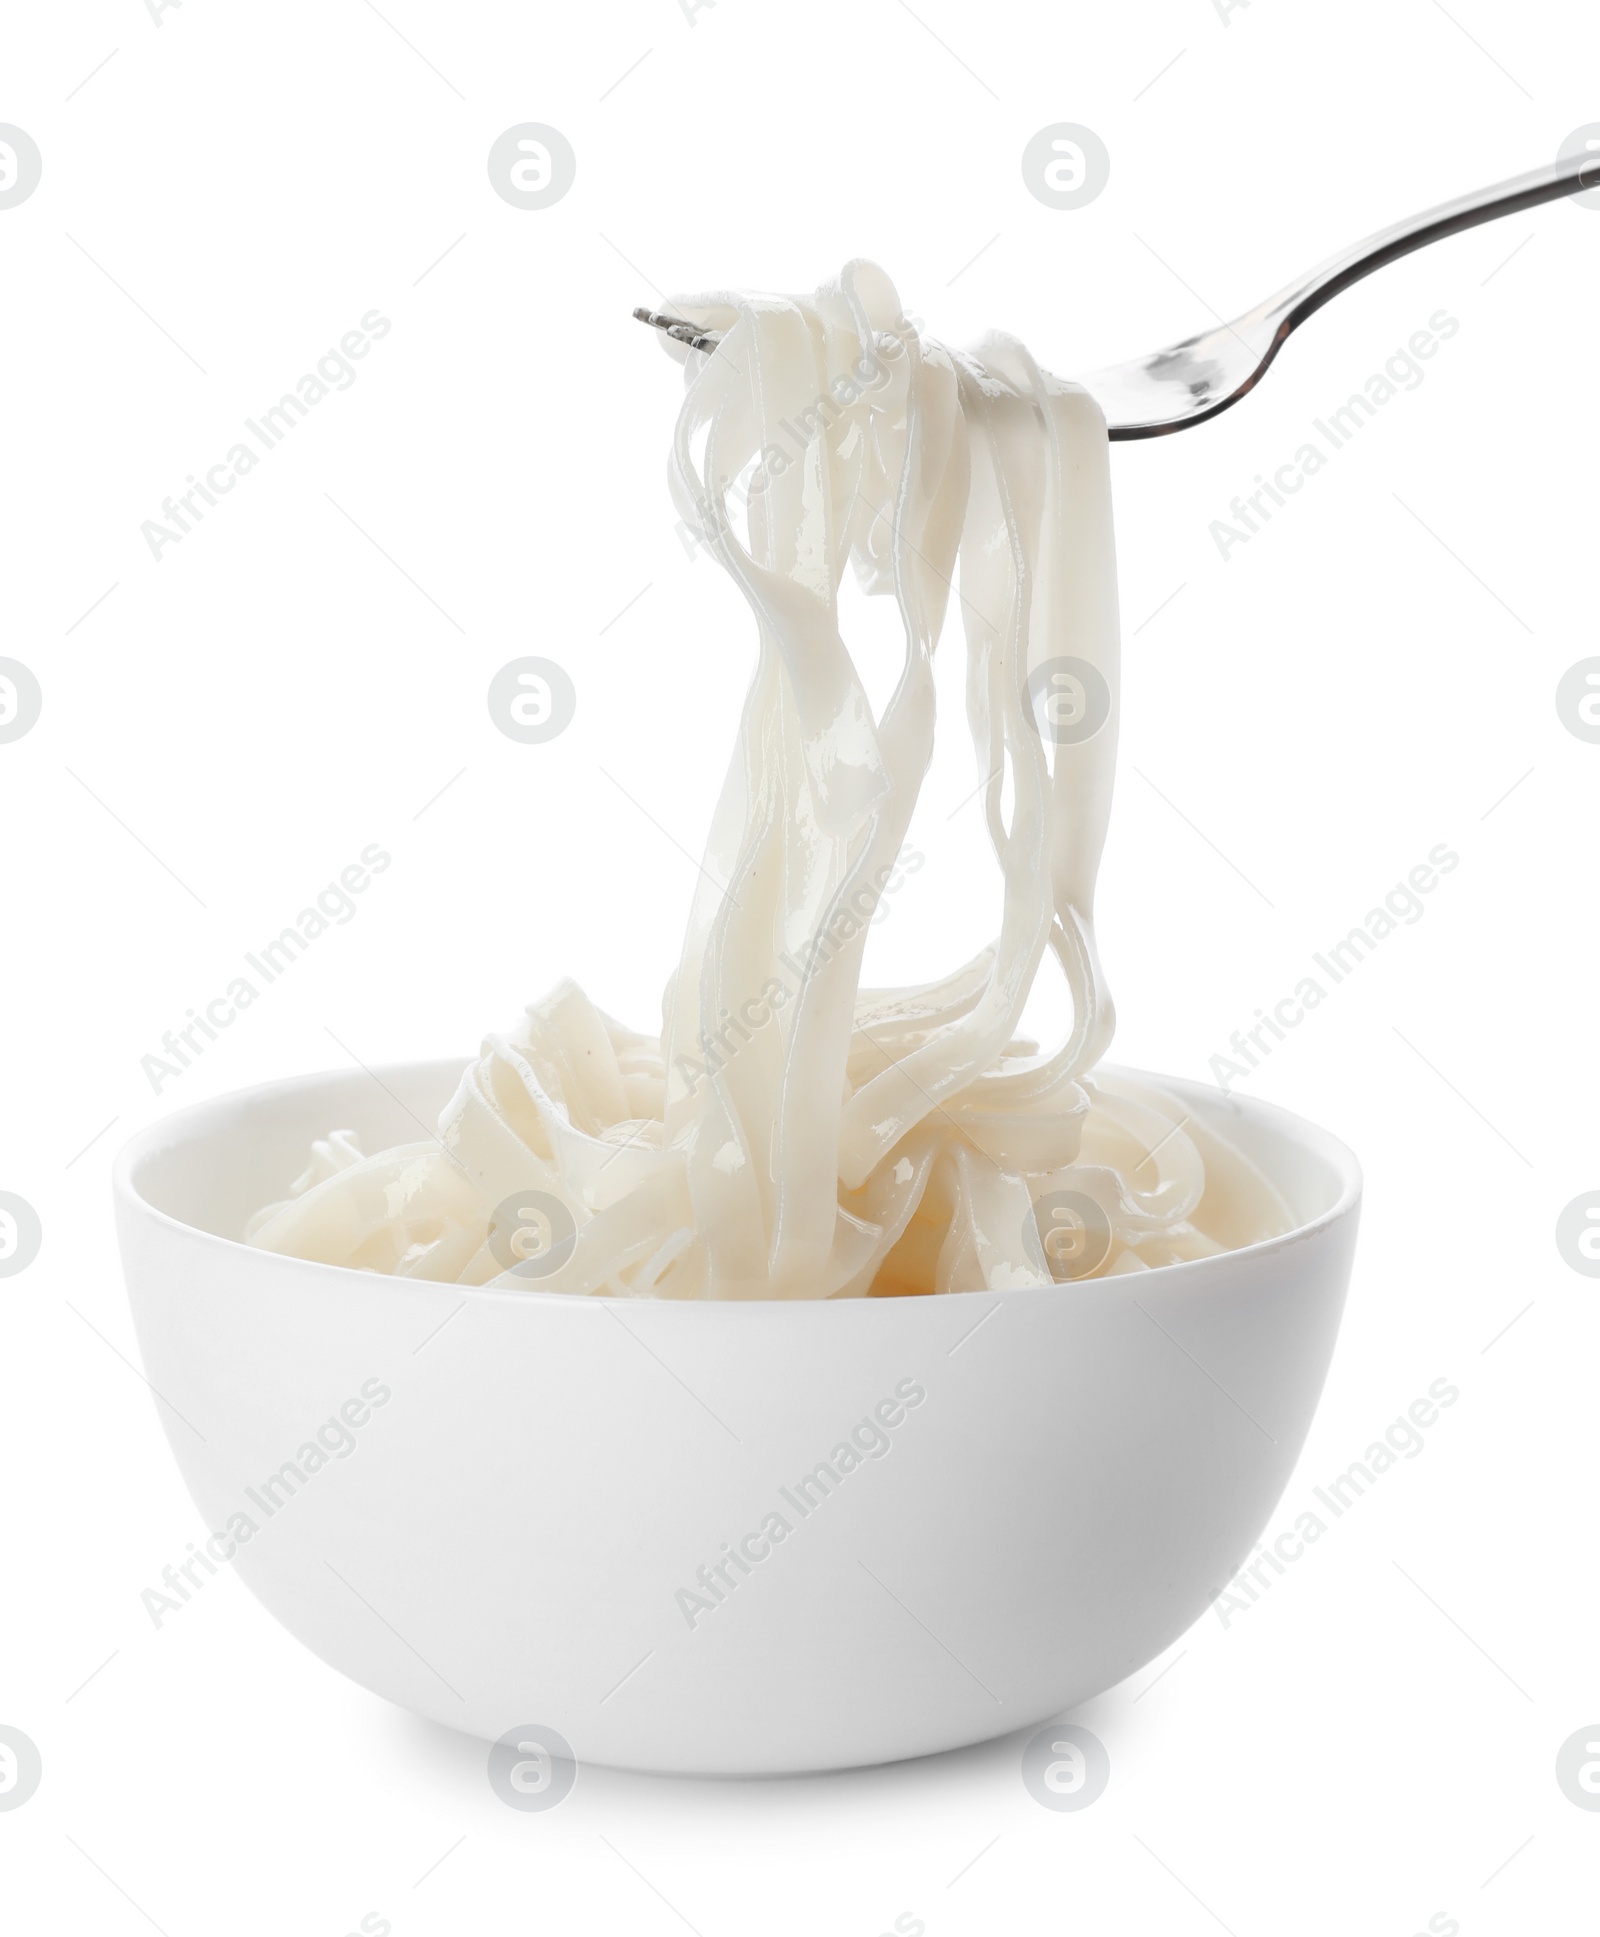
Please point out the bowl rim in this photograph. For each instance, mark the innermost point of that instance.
(1290, 1126)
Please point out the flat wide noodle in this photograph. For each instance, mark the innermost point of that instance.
(791, 1134)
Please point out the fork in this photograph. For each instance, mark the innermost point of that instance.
(1189, 382)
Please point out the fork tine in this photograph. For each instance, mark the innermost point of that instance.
(678, 330)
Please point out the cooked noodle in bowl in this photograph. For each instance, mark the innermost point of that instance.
(791, 1134)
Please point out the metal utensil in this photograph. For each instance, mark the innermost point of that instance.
(1191, 381)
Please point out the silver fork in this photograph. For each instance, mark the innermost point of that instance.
(1188, 382)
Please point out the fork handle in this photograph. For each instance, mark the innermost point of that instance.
(1320, 285)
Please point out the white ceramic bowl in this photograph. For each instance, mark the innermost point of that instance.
(511, 1535)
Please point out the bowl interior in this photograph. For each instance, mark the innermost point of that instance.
(215, 1164)
(212, 1166)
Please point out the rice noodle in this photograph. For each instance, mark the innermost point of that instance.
(791, 1134)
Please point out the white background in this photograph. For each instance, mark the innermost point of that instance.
(1371, 1744)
